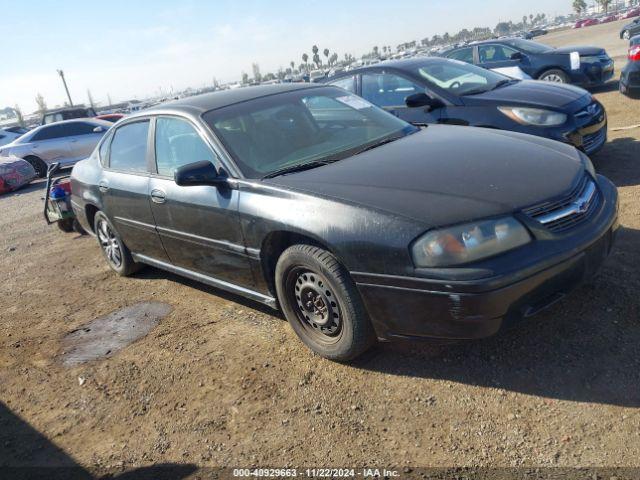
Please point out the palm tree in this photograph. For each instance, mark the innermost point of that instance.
(604, 4)
(305, 59)
(314, 49)
(579, 6)
(326, 53)
(524, 20)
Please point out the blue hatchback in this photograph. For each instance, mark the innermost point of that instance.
(583, 66)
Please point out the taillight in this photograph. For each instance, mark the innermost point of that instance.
(634, 53)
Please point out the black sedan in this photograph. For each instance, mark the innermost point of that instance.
(583, 66)
(631, 29)
(359, 226)
(448, 91)
(630, 75)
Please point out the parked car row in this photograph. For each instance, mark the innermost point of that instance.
(358, 225)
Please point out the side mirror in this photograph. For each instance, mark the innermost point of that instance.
(198, 173)
(517, 56)
(99, 129)
(418, 100)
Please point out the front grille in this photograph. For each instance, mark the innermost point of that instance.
(592, 141)
(569, 211)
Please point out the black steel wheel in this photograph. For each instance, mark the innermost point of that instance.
(315, 304)
(322, 304)
(113, 248)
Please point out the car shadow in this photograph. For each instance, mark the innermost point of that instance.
(584, 349)
(619, 160)
(610, 86)
(26, 453)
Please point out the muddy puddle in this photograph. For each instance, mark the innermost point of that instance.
(104, 336)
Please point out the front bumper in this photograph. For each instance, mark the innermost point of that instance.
(412, 307)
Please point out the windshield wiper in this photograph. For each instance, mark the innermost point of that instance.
(295, 168)
(379, 143)
(504, 82)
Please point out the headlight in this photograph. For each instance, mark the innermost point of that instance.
(469, 242)
(534, 116)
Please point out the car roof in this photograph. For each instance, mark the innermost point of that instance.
(199, 104)
(401, 64)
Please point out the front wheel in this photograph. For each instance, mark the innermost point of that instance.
(113, 248)
(322, 304)
(555, 76)
(626, 35)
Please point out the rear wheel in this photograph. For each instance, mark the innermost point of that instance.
(113, 248)
(38, 165)
(322, 304)
(555, 76)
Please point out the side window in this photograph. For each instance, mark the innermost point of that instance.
(104, 150)
(494, 53)
(79, 128)
(128, 150)
(48, 133)
(387, 89)
(348, 83)
(464, 55)
(177, 144)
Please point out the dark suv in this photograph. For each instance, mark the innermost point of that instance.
(67, 113)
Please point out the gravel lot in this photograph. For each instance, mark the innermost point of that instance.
(220, 381)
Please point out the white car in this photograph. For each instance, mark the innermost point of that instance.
(9, 134)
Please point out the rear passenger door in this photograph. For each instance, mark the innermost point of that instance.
(390, 90)
(50, 144)
(199, 226)
(124, 186)
(82, 139)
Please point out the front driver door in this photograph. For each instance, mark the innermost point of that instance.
(389, 91)
(199, 226)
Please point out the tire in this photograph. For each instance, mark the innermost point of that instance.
(66, 225)
(38, 165)
(113, 248)
(332, 321)
(626, 35)
(554, 75)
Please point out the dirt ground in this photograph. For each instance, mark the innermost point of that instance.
(220, 381)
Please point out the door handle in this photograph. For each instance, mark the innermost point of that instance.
(103, 187)
(158, 196)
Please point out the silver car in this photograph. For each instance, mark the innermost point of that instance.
(65, 142)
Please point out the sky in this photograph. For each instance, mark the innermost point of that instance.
(141, 48)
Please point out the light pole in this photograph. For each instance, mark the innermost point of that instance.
(64, 82)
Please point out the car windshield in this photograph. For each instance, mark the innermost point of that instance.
(305, 127)
(461, 78)
(527, 46)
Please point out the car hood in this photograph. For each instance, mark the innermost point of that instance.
(583, 51)
(534, 93)
(447, 174)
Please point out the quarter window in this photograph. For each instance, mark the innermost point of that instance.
(388, 90)
(104, 150)
(178, 144)
(128, 150)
